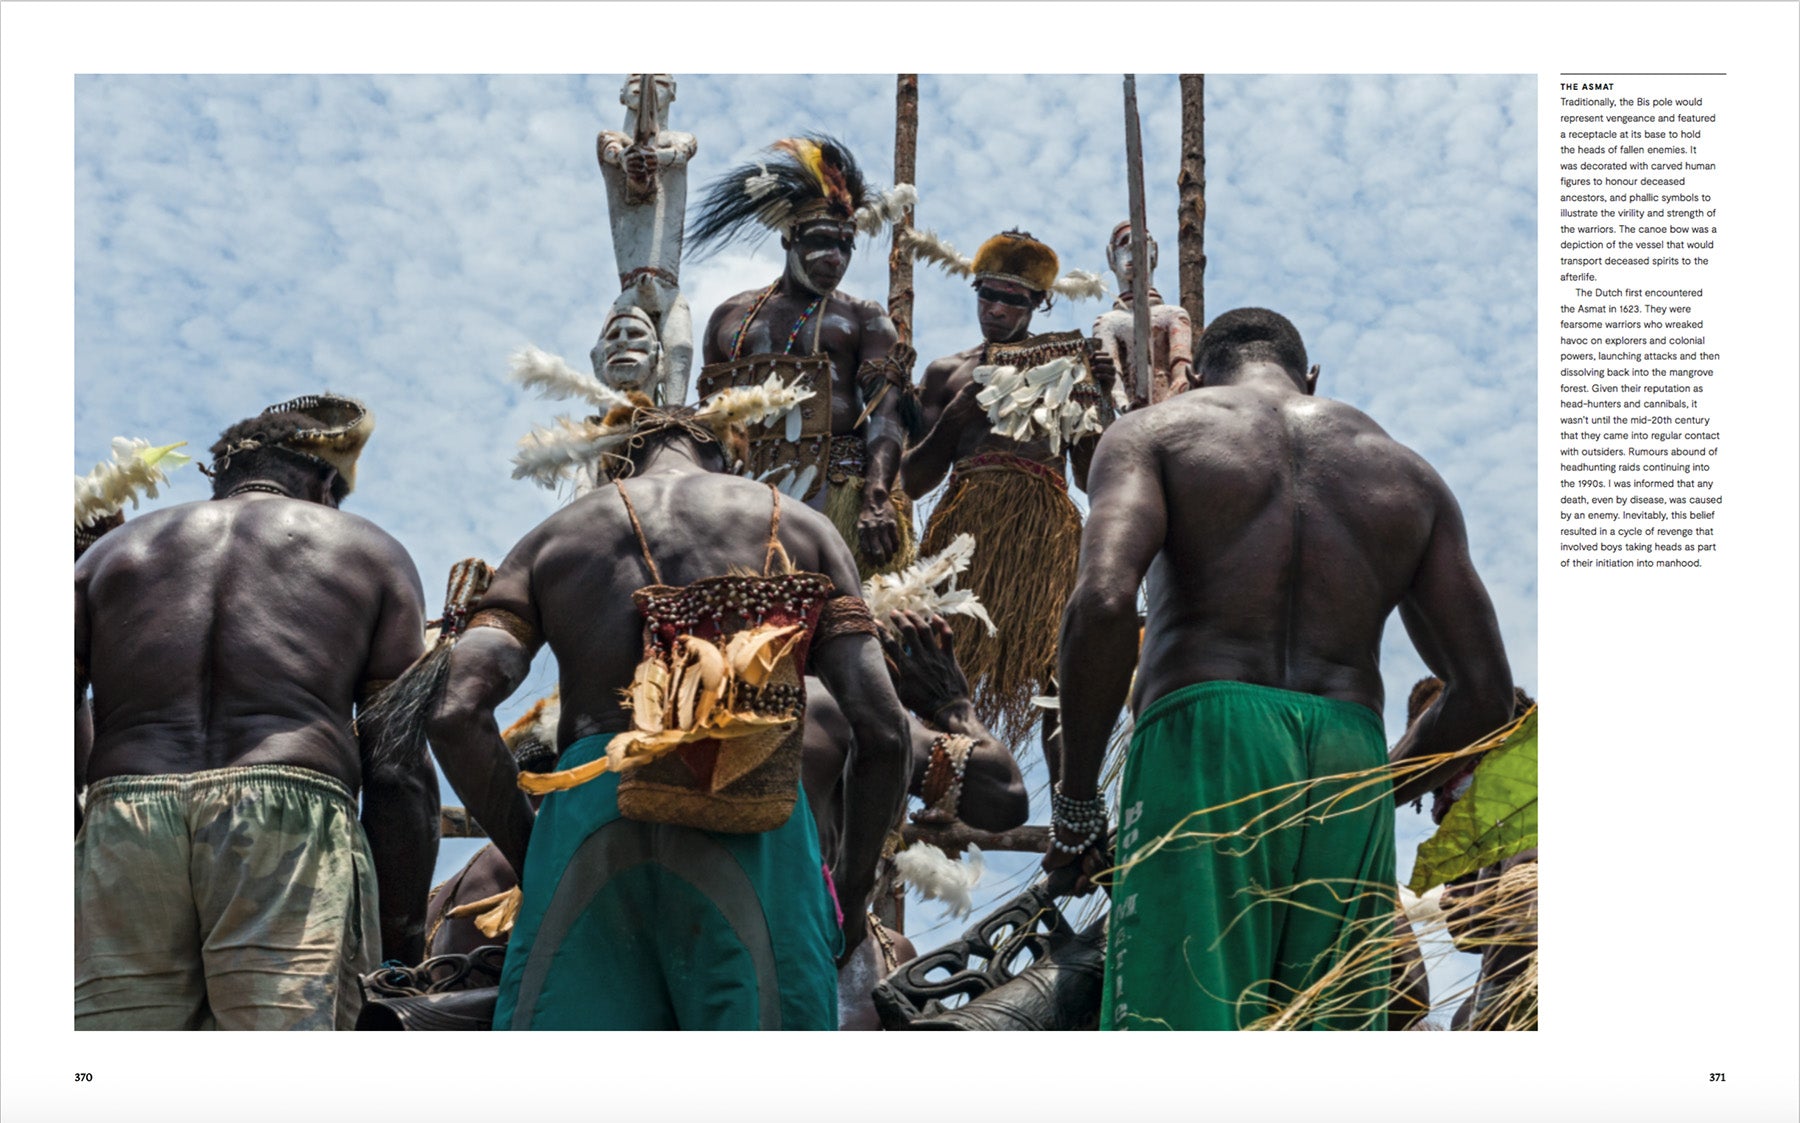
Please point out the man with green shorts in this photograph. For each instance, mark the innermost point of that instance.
(222, 876)
(1255, 855)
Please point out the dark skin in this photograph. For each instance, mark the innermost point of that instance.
(853, 332)
(957, 426)
(930, 684)
(253, 649)
(582, 564)
(928, 681)
(1279, 531)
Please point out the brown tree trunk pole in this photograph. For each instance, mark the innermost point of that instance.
(1190, 225)
(955, 837)
(1140, 250)
(906, 155)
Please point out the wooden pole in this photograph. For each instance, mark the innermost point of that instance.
(906, 155)
(1140, 249)
(1190, 225)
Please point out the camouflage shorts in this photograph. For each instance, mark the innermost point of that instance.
(240, 898)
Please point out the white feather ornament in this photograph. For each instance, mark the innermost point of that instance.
(549, 454)
(1081, 285)
(136, 468)
(927, 246)
(938, 877)
(915, 588)
(555, 379)
(887, 207)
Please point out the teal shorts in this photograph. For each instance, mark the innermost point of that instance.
(628, 925)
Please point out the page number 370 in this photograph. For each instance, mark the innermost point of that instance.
(84, 1078)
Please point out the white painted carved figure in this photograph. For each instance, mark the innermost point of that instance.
(645, 168)
(1171, 330)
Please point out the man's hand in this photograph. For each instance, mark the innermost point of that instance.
(923, 653)
(877, 529)
(1077, 875)
(1104, 370)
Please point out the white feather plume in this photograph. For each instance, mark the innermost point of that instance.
(915, 588)
(136, 468)
(754, 405)
(927, 246)
(938, 877)
(1081, 285)
(555, 379)
(549, 454)
(887, 207)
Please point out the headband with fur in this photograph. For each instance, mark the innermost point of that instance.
(1013, 256)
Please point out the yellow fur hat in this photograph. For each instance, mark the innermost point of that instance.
(342, 429)
(1017, 257)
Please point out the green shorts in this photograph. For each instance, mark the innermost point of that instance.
(238, 898)
(1231, 920)
(628, 925)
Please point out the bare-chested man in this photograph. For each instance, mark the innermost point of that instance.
(221, 876)
(1278, 530)
(810, 190)
(634, 923)
(1009, 494)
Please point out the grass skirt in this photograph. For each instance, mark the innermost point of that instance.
(1027, 548)
(843, 506)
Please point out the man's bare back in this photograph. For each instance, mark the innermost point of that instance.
(239, 631)
(1299, 506)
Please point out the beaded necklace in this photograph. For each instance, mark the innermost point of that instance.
(737, 341)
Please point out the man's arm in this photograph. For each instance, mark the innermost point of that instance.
(710, 349)
(486, 666)
(84, 731)
(946, 415)
(1451, 621)
(879, 764)
(1098, 648)
(932, 685)
(399, 801)
(877, 529)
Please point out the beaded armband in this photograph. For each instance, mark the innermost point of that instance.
(1084, 817)
(942, 787)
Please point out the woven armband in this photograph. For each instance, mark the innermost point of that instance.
(511, 623)
(843, 615)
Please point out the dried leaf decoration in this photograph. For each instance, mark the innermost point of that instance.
(1494, 820)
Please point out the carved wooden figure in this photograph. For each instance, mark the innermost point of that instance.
(645, 168)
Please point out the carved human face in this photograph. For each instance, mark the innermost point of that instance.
(819, 253)
(1004, 309)
(625, 358)
(1118, 253)
(662, 84)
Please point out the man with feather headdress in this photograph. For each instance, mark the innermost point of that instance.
(675, 809)
(1000, 417)
(811, 192)
(222, 876)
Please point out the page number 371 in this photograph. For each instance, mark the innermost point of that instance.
(1715, 1077)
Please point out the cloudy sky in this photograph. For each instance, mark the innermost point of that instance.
(240, 240)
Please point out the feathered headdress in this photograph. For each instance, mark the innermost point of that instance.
(136, 468)
(549, 454)
(1013, 256)
(802, 178)
(915, 588)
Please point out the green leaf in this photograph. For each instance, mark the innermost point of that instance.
(155, 456)
(1496, 819)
